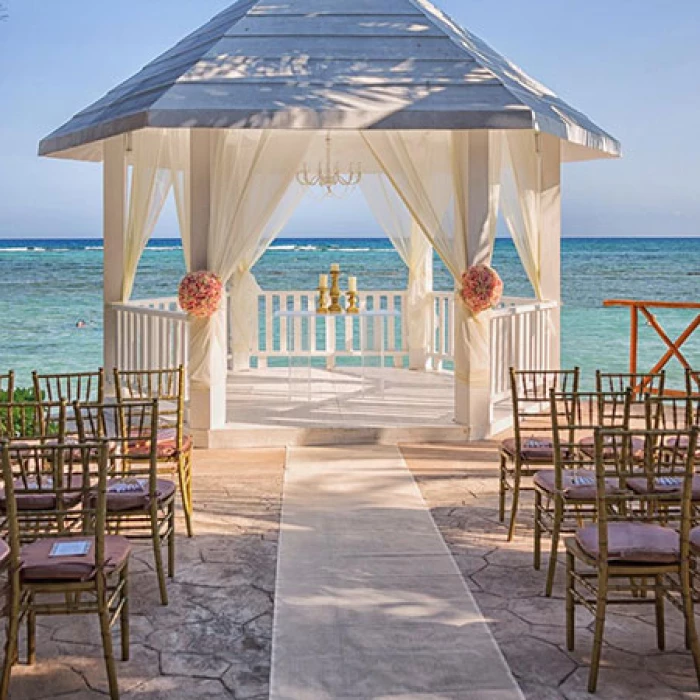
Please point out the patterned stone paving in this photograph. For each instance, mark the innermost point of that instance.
(214, 639)
(460, 485)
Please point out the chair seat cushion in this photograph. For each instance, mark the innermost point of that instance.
(38, 564)
(532, 449)
(132, 494)
(44, 498)
(633, 543)
(587, 446)
(682, 444)
(167, 444)
(4, 551)
(576, 485)
(672, 484)
(695, 539)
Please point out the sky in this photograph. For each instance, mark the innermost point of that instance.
(631, 65)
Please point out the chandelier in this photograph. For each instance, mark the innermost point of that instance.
(328, 178)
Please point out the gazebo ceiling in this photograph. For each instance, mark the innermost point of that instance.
(330, 64)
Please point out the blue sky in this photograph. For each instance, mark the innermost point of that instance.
(632, 65)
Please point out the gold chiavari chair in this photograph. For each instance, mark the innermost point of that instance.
(174, 444)
(631, 555)
(641, 384)
(565, 495)
(692, 382)
(72, 566)
(33, 421)
(140, 505)
(531, 446)
(7, 387)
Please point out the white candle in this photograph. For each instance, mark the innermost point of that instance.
(323, 281)
(335, 267)
(352, 284)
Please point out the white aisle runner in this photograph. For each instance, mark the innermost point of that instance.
(369, 602)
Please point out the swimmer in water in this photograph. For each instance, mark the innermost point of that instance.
(80, 324)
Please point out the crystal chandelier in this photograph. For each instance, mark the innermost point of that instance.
(329, 179)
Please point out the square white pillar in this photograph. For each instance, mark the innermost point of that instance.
(114, 232)
(550, 237)
(207, 410)
(472, 336)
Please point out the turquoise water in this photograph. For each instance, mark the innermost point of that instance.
(46, 286)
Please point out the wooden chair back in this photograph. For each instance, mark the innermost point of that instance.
(669, 474)
(640, 383)
(673, 412)
(33, 421)
(530, 392)
(692, 382)
(165, 385)
(62, 490)
(86, 387)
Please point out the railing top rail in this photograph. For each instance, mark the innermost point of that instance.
(652, 304)
(147, 311)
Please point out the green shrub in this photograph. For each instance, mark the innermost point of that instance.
(25, 419)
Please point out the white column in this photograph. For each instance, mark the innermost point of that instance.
(550, 236)
(207, 403)
(419, 304)
(114, 228)
(472, 337)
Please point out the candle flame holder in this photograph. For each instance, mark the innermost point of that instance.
(353, 307)
(322, 307)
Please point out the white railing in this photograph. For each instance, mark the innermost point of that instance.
(151, 334)
(155, 333)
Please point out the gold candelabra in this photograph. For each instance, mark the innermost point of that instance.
(322, 307)
(335, 307)
(353, 308)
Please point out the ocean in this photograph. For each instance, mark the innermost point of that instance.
(47, 286)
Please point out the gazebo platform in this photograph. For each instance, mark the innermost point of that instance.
(272, 408)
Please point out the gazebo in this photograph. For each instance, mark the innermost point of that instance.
(447, 131)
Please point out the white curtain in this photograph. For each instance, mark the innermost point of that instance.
(430, 170)
(521, 199)
(178, 153)
(415, 251)
(148, 189)
(251, 199)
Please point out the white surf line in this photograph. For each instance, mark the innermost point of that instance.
(369, 601)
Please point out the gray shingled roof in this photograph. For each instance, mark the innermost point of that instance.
(330, 64)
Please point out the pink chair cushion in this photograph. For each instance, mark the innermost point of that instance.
(38, 565)
(167, 444)
(576, 485)
(633, 543)
(132, 494)
(532, 449)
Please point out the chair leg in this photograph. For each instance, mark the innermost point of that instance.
(514, 502)
(171, 539)
(688, 609)
(31, 636)
(185, 480)
(660, 615)
(537, 549)
(600, 609)
(124, 623)
(103, 613)
(502, 491)
(556, 530)
(158, 559)
(11, 640)
(570, 602)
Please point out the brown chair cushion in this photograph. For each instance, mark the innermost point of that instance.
(663, 484)
(633, 543)
(132, 494)
(682, 443)
(576, 485)
(587, 446)
(532, 449)
(38, 565)
(167, 444)
(44, 499)
(695, 539)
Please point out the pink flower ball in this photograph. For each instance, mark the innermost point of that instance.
(200, 293)
(482, 288)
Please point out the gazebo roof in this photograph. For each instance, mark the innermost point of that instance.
(330, 64)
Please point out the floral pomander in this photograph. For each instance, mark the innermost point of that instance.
(200, 293)
(482, 288)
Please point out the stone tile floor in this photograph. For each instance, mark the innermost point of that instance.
(460, 485)
(214, 639)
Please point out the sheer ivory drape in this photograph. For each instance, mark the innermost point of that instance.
(178, 153)
(148, 189)
(416, 252)
(252, 172)
(430, 171)
(521, 199)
